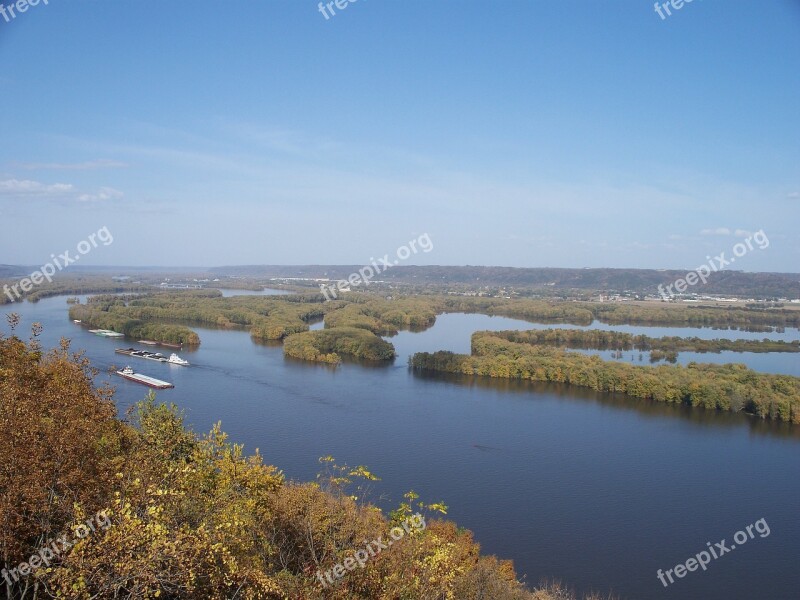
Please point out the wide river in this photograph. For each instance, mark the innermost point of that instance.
(594, 490)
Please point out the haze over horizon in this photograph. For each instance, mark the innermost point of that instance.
(199, 269)
(535, 136)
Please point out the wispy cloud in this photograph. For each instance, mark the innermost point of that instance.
(726, 231)
(101, 195)
(16, 188)
(90, 165)
(793, 195)
(27, 189)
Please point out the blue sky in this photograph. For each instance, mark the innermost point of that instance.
(520, 133)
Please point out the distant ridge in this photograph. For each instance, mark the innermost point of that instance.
(14, 271)
(727, 282)
(723, 282)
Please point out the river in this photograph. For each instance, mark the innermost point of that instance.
(595, 490)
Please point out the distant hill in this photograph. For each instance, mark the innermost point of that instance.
(734, 283)
(636, 280)
(14, 271)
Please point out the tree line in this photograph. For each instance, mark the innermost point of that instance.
(598, 339)
(585, 313)
(728, 387)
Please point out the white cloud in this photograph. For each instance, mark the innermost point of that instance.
(90, 165)
(25, 187)
(21, 189)
(742, 233)
(717, 231)
(103, 194)
(793, 195)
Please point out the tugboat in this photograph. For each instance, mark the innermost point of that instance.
(152, 382)
(174, 359)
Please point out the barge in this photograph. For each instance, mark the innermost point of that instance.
(152, 382)
(156, 356)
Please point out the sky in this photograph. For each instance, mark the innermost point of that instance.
(556, 133)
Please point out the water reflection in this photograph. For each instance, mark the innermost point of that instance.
(647, 408)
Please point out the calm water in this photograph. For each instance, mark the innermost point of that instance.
(596, 490)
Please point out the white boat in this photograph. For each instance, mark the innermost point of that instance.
(76, 321)
(174, 359)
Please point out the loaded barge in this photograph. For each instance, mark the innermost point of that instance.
(174, 359)
(152, 382)
(157, 356)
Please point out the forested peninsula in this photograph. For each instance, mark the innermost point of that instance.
(729, 387)
(598, 339)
